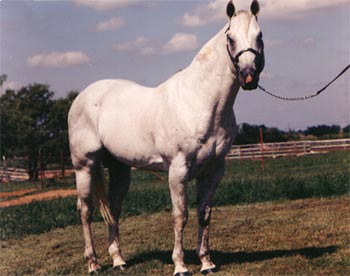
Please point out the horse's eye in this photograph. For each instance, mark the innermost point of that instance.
(232, 42)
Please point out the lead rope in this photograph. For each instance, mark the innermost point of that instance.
(305, 97)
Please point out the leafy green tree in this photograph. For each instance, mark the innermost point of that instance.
(24, 123)
(250, 134)
(58, 144)
(273, 134)
(247, 134)
(32, 121)
(346, 131)
(322, 130)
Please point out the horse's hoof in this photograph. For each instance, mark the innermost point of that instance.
(183, 274)
(210, 271)
(94, 269)
(120, 267)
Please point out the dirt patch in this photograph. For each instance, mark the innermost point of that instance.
(16, 193)
(33, 197)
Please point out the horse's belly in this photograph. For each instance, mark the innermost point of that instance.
(132, 147)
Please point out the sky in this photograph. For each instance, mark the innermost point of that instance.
(70, 44)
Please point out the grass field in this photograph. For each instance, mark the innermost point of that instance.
(302, 237)
(278, 237)
(288, 178)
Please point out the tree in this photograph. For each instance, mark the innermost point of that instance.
(322, 130)
(247, 134)
(57, 125)
(250, 134)
(24, 120)
(32, 121)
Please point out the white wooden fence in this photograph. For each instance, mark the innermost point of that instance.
(253, 151)
(297, 148)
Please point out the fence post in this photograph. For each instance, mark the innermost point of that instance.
(5, 176)
(262, 150)
(41, 167)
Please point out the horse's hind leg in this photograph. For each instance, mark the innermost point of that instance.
(119, 177)
(86, 177)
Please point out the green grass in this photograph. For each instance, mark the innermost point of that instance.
(288, 178)
(303, 237)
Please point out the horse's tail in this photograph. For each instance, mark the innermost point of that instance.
(103, 203)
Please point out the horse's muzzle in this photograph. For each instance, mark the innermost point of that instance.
(250, 86)
(249, 79)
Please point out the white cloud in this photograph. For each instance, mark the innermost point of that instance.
(105, 5)
(136, 45)
(266, 75)
(181, 42)
(139, 45)
(148, 51)
(309, 41)
(295, 9)
(215, 10)
(10, 85)
(112, 24)
(205, 13)
(58, 60)
(272, 43)
(275, 43)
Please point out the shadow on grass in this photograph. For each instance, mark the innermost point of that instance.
(224, 258)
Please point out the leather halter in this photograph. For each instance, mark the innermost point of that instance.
(235, 59)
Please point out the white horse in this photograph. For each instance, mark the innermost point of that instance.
(184, 126)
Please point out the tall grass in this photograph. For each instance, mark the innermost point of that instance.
(292, 178)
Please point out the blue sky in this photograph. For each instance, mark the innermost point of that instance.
(70, 44)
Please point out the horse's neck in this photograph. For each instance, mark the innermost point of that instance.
(210, 81)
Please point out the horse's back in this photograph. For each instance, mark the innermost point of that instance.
(90, 100)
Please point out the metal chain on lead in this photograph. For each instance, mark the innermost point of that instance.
(305, 97)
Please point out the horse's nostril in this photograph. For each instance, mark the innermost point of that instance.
(247, 75)
(248, 79)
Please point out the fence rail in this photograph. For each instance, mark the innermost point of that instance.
(252, 151)
(297, 148)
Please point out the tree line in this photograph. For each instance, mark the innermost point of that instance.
(33, 121)
(250, 134)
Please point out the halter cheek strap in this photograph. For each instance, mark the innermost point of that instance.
(235, 59)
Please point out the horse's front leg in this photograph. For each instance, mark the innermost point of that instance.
(178, 173)
(206, 187)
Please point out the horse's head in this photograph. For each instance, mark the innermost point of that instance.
(245, 45)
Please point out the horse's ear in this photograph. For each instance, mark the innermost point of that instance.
(230, 9)
(255, 7)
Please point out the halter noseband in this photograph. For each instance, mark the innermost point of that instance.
(235, 59)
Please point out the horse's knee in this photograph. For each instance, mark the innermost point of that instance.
(180, 218)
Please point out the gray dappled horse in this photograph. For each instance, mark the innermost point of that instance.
(184, 126)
